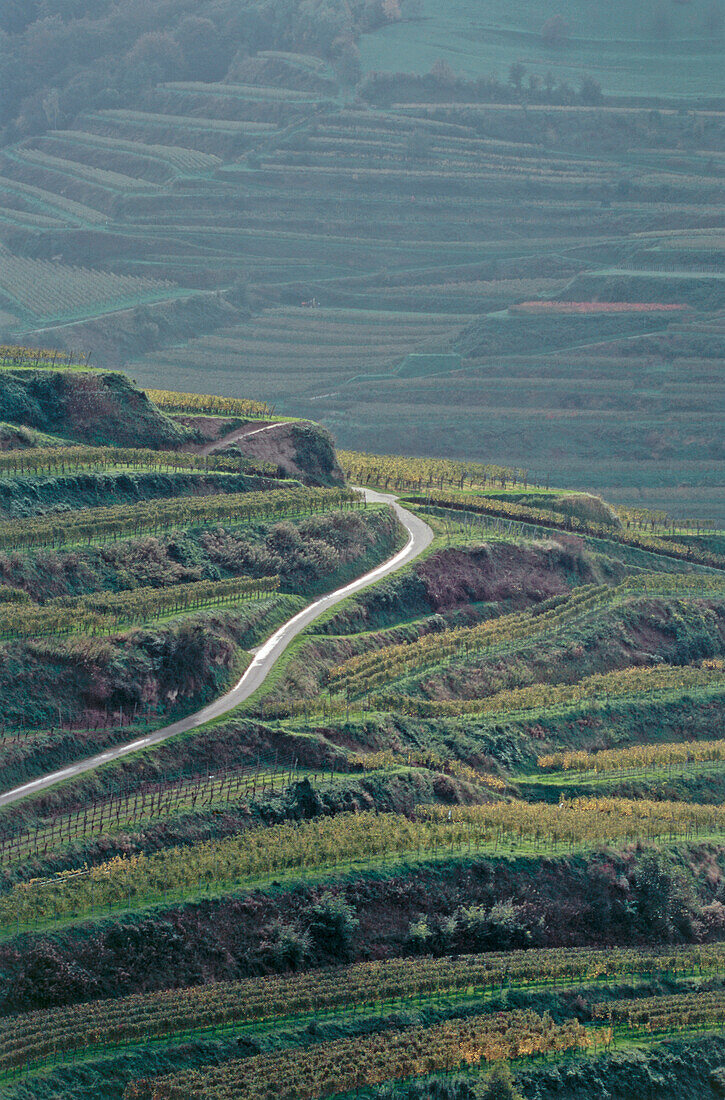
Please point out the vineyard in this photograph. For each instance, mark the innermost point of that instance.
(510, 510)
(14, 356)
(397, 472)
(105, 612)
(45, 289)
(363, 839)
(664, 1014)
(378, 987)
(121, 521)
(374, 853)
(634, 759)
(507, 489)
(363, 236)
(543, 697)
(547, 307)
(338, 1067)
(362, 674)
(312, 792)
(62, 460)
(208, 404)
(151, 802)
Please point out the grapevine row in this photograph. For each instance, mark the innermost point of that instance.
(104, 612)
(366, 671)
(14, 355)
(33, 1036)
(398, 472)
(636, 680)
(208, 403)
(151, 802)
(666, 1014)
(339, 1066)
(294, 848)
(634, 757)
(90, 525)
(522, 513)
(50, 460)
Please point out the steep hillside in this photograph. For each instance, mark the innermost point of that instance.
(300, 449)
(466, 811)
(84, 405)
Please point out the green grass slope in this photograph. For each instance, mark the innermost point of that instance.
(89, 406)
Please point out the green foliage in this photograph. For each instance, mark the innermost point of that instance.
(500, 1085)
(665, 903)
(332, 925)
(286, 946)
(94, 407)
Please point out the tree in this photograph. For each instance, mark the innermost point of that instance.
(286, 946)
(517, 72)
(347, 63)
(203, 49)
(664, 898)
(155, 56)
(15, 15)
(51, 106)
(333, 924)
(442, 72)
(590, 91)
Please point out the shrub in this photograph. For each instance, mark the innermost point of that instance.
(286, 946)
(500, 1085)
(332, 924)
(665, 904)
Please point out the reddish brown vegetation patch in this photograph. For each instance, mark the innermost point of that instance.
(504, 572)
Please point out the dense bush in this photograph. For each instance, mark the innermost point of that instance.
(306, 554)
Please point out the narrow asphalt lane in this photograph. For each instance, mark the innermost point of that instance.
(420, 537)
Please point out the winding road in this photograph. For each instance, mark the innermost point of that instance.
(420, 537)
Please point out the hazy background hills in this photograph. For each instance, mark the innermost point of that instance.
(345, 209)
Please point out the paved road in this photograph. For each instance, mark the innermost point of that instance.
(419, 538)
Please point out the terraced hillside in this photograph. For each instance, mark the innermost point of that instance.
(272, 226)
(462, 834)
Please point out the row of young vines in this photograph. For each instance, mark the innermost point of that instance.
(295, 849)
(64, 460)
(383, 985)
(148, 517)
(104, 612)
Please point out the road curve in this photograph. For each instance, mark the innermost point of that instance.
(420, 537)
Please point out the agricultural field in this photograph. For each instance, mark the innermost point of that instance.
(408, 790)
(485, 234)
(653, 49)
